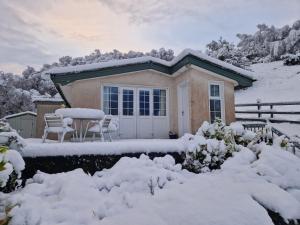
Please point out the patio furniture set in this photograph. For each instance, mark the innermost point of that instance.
(79, 122)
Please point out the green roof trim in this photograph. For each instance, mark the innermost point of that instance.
(66, 78)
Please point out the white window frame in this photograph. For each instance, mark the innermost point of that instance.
(102, 97)
(121, 89)
(167, 101)
(221, 98)
(138, 102)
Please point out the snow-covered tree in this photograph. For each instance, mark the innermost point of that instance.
(267, 44)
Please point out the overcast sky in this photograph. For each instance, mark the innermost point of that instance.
(34, 32)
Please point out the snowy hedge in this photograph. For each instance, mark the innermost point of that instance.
(214, 143)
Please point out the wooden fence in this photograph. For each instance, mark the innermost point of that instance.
(259, 123)
(271, 111)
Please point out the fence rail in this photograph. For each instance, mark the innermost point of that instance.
(259, 111)
(267, 104)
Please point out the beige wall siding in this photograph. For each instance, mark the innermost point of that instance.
(229, 102)
(86, 93)
(200, 81)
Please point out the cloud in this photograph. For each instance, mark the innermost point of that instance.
(19, 40)
(151, 11)
(36, 32)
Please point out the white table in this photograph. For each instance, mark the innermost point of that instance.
(81, 114)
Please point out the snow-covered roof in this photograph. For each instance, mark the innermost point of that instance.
(47, 99)
(19, 114)
(122, 62)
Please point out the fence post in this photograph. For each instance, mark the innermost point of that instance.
(258, 107)
(271, 108)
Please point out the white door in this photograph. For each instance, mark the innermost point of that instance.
(144, 113)
(160, 113)
(127, 113)
(183, 108)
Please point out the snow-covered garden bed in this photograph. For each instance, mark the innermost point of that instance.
(239, 180)
(144, 191)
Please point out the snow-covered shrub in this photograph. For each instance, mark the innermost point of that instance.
(9, 137)
(214, 143)
(290, 59)
(11, 162)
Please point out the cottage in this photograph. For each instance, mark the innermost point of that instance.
(151, 97)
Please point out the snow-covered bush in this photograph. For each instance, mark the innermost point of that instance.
(290, 59)
(9, 137)
(11, 162)
(214, 143)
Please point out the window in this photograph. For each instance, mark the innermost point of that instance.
(215, 104)
(111, 100)
(144, 102)
(159, 102)
(127, 102)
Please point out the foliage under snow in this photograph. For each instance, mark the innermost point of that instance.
(10, 159)
(214, 143)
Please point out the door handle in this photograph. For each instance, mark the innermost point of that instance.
(182, 113)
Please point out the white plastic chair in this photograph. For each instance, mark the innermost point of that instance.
(106, 126)
(57, 124)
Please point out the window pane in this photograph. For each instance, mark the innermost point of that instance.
(114, 111)
(114, 90)
(110, 100)
(114, 97)
(127, 102)
(212, 105)
(156, 92)
(159, 102)
(214, 90)
(130, 105)
(144, 103)
(217, 105)
(212, 117)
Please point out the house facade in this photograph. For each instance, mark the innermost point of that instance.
(151, 97)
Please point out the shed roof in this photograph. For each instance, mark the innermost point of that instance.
(20, 114)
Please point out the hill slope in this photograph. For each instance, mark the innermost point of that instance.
(275, 82)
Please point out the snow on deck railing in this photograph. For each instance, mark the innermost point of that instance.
(261, 126)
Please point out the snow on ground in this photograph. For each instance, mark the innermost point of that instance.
(33, 148)
(292, 130)
(143, 191)
(275, 83)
